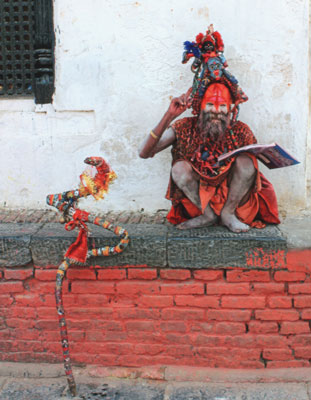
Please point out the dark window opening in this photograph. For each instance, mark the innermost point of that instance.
(27, 49)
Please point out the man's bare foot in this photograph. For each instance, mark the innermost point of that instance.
(232, 223)
(197, 222)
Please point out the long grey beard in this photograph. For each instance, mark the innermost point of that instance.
(211, 128)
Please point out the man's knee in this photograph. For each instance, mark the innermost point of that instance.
(182, 173)
(244, 166)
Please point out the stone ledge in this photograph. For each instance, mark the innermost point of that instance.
(155, 245)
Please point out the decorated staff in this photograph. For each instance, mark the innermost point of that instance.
(93, 181)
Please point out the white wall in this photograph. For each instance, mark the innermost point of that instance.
(118, 62)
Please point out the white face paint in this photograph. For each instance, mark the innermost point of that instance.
(211, 107)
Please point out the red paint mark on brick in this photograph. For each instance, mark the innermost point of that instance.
(225, 288)
(266, 259)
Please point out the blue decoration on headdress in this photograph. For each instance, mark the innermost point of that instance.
(191, 47)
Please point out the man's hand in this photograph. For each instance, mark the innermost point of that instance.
(180, 104)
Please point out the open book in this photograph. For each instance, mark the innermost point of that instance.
(272, 155)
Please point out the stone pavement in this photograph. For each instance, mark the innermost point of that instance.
(118, 389)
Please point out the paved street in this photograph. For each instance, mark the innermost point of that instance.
(114, 389)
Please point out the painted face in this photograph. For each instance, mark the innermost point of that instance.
(217, 98)
(207, 47)
(215, 67)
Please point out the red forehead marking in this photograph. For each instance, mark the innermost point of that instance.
(217, 94)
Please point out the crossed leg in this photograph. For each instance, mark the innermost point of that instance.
(188, 181)
(241, 181)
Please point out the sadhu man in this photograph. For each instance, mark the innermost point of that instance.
(204, 192)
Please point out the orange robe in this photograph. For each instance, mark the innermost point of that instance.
(261, 205)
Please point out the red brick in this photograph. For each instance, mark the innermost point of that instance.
(278, 354)
(81, 300)
(182, 288)
(111, 274)
(175, 326)
(18, 274)
(297, 327)
(45, 274)
(285, 276)
(209, 275)
(248, 276)
(263, 327)
(6, 300)
(242, 302)
(11, 287)
(133, 287)
(41, 287)
(82, 274)
(230, 328)
(268, 288)
(155, 301)
(299, 260)
(23, 312)
(146, 326)
(299, 341)
(197, 301)
(280, 302)
(227, 288)
(299, 288)
(20, 323)
(302, 301)
(229, 315)
(175, 274)
(137, 273)
(138, 313)
(46, 312)
(271, 341)
(303, 352)
(288, 364)
(306, 314)
(93, 287)
(149, 349)
(182, 314)
(277, 315)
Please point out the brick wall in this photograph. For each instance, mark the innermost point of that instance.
(139, 315)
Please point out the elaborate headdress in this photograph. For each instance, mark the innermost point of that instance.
(209, 66)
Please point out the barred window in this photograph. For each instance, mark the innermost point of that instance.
(26, 49)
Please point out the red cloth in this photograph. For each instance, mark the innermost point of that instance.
(77, 252)
(261, 205)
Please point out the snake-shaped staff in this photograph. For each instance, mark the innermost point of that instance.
(94, 181)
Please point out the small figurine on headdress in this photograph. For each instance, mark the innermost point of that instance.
(205, 47)
(209, 66)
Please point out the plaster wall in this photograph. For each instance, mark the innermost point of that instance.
(118, 64)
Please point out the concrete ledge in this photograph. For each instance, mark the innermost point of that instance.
(155, 245)
(167, 373)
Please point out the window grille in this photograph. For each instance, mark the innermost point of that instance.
(17, 47)
(26, 49)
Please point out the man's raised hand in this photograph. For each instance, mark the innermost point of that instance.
(180, 104)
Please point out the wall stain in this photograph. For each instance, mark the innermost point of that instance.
(203, 12)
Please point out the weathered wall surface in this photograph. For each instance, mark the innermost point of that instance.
(117, 66)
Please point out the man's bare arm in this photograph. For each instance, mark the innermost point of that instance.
(161, 137)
